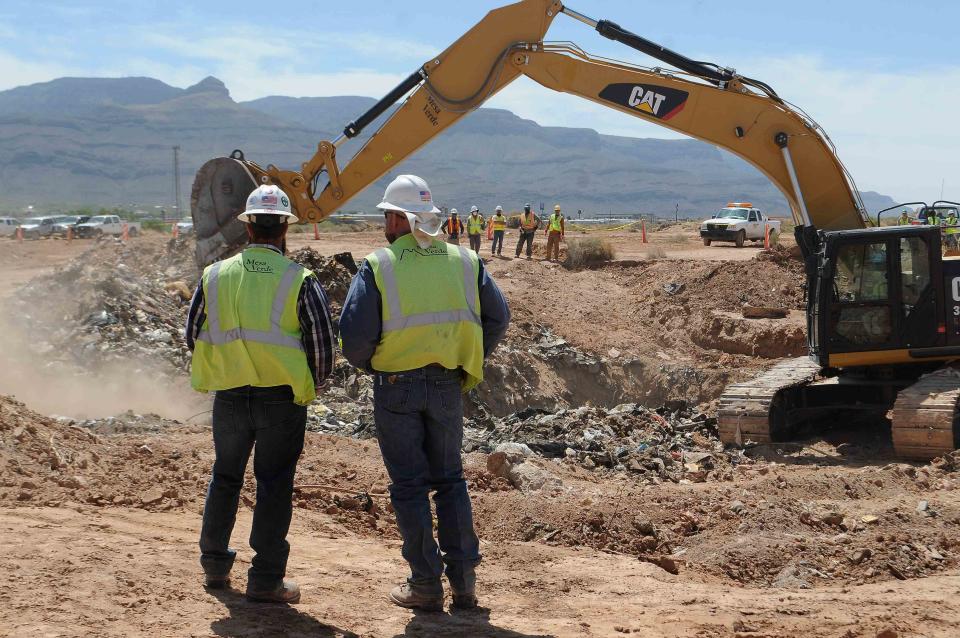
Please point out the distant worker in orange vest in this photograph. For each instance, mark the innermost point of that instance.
(453, 227)
(529, 223)
(555, 233)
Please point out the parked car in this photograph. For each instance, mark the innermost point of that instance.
(185, 226)
(37, 227)
(66, 222)
(738, 222)
(8, 226)
(106, 225)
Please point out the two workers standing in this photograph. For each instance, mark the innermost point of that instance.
(421, 316)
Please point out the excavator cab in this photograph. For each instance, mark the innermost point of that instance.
(879, 299)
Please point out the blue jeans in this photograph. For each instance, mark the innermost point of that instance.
(419, 418)
(267, 421)
(497, 246)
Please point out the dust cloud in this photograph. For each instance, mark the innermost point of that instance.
(48, 385)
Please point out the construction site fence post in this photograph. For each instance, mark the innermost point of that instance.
(643, 231)
(126, 232)
(316, 231)
(19, 234)
(176, 230)
(766, 236)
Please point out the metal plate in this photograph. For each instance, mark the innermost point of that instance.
(219, 194)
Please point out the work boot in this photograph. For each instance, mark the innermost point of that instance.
(216, 581)
(287, 591)
(406, 596)
(464, 599)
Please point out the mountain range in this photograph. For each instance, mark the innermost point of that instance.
(107, 142)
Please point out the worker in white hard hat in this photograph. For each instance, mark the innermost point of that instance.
(262, 340)
(475, 226)
(421, 316)
(453, 227)
(499, 225)
(555, 233)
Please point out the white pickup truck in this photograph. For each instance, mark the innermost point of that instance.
(107, 225)
(738, 222)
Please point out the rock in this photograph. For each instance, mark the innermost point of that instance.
(790, 578)
(869, 519)
(741, 627)
(25, 495)
(153, 496)
(737, 507)
(513, 452)
(859, 556)
(143, 449)
(887, 633)
(28, 485)
(666, 563)
(760, 312)
(527, 477)
(643, 525)
(833, 518)
(923, 506)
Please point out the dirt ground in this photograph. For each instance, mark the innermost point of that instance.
(830, 536)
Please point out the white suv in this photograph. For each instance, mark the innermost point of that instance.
(8, 226)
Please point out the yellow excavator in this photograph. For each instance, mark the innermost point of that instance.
(883, 306)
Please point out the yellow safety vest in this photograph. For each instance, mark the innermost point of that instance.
(951, 226)
(499, 222)
(904, 220)
(251, 334)
(555, 222)
(474, 224)
(430, 310)
(933, 220)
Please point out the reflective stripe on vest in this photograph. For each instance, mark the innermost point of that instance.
(399, 321)
(499, 222)
(276, 337)
(555, 222)
(528, 224)
(474, 225)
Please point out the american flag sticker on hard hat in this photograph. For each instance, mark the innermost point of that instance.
(424, 196)
(268, 199)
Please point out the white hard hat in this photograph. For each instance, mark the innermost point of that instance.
(411, 196)
(500, 208)
(474, 209)
(270, 201)
(453, 211)
(408, 194)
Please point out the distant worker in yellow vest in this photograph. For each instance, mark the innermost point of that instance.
(262, 339)
(529, 223)
(475, 226)
(499, 221)
(951, 229)
(933, 219)
(421, 316)
(555, 233)
(904, 219)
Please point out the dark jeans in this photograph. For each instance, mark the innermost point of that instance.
(419, 417)
(475, 242)
(268, 421)
(497, 247)
(526, 237)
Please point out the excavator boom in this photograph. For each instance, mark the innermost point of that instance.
(704, 101)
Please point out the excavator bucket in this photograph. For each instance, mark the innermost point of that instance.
(219, 194)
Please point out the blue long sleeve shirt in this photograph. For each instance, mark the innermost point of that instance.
(360, 319)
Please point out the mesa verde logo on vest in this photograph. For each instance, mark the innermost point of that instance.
(661, 102)
(252, 264)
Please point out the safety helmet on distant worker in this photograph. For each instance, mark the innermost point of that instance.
(267, 206)
(410, 195)
(556, 208)
(474, 209)
(453, 212)
(526, 207)
(499, 209)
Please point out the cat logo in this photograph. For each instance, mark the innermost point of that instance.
(660, 102)
(646, 100)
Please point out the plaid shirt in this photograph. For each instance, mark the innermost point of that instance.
(315, 324)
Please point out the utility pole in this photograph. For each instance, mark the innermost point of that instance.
(943, 183)
(676, 213)
(176, 181)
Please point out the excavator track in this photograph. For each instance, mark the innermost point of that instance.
(744, 412)
(924, 416)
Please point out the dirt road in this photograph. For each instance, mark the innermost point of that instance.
(122, 572)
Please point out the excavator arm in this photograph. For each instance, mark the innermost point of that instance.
(703, 101)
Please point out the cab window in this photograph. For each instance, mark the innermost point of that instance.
(860, 314)
(915, 271)
(753, 216)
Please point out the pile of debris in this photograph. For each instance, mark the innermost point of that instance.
(115, 302)
(334, 273)
(672, 443)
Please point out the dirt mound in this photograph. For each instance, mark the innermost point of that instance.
(49, 461)
(334, 276)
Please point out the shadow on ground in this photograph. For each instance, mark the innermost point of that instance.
(248, 619)
(466, 623)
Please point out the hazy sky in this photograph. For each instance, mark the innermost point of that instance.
(882, 77)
